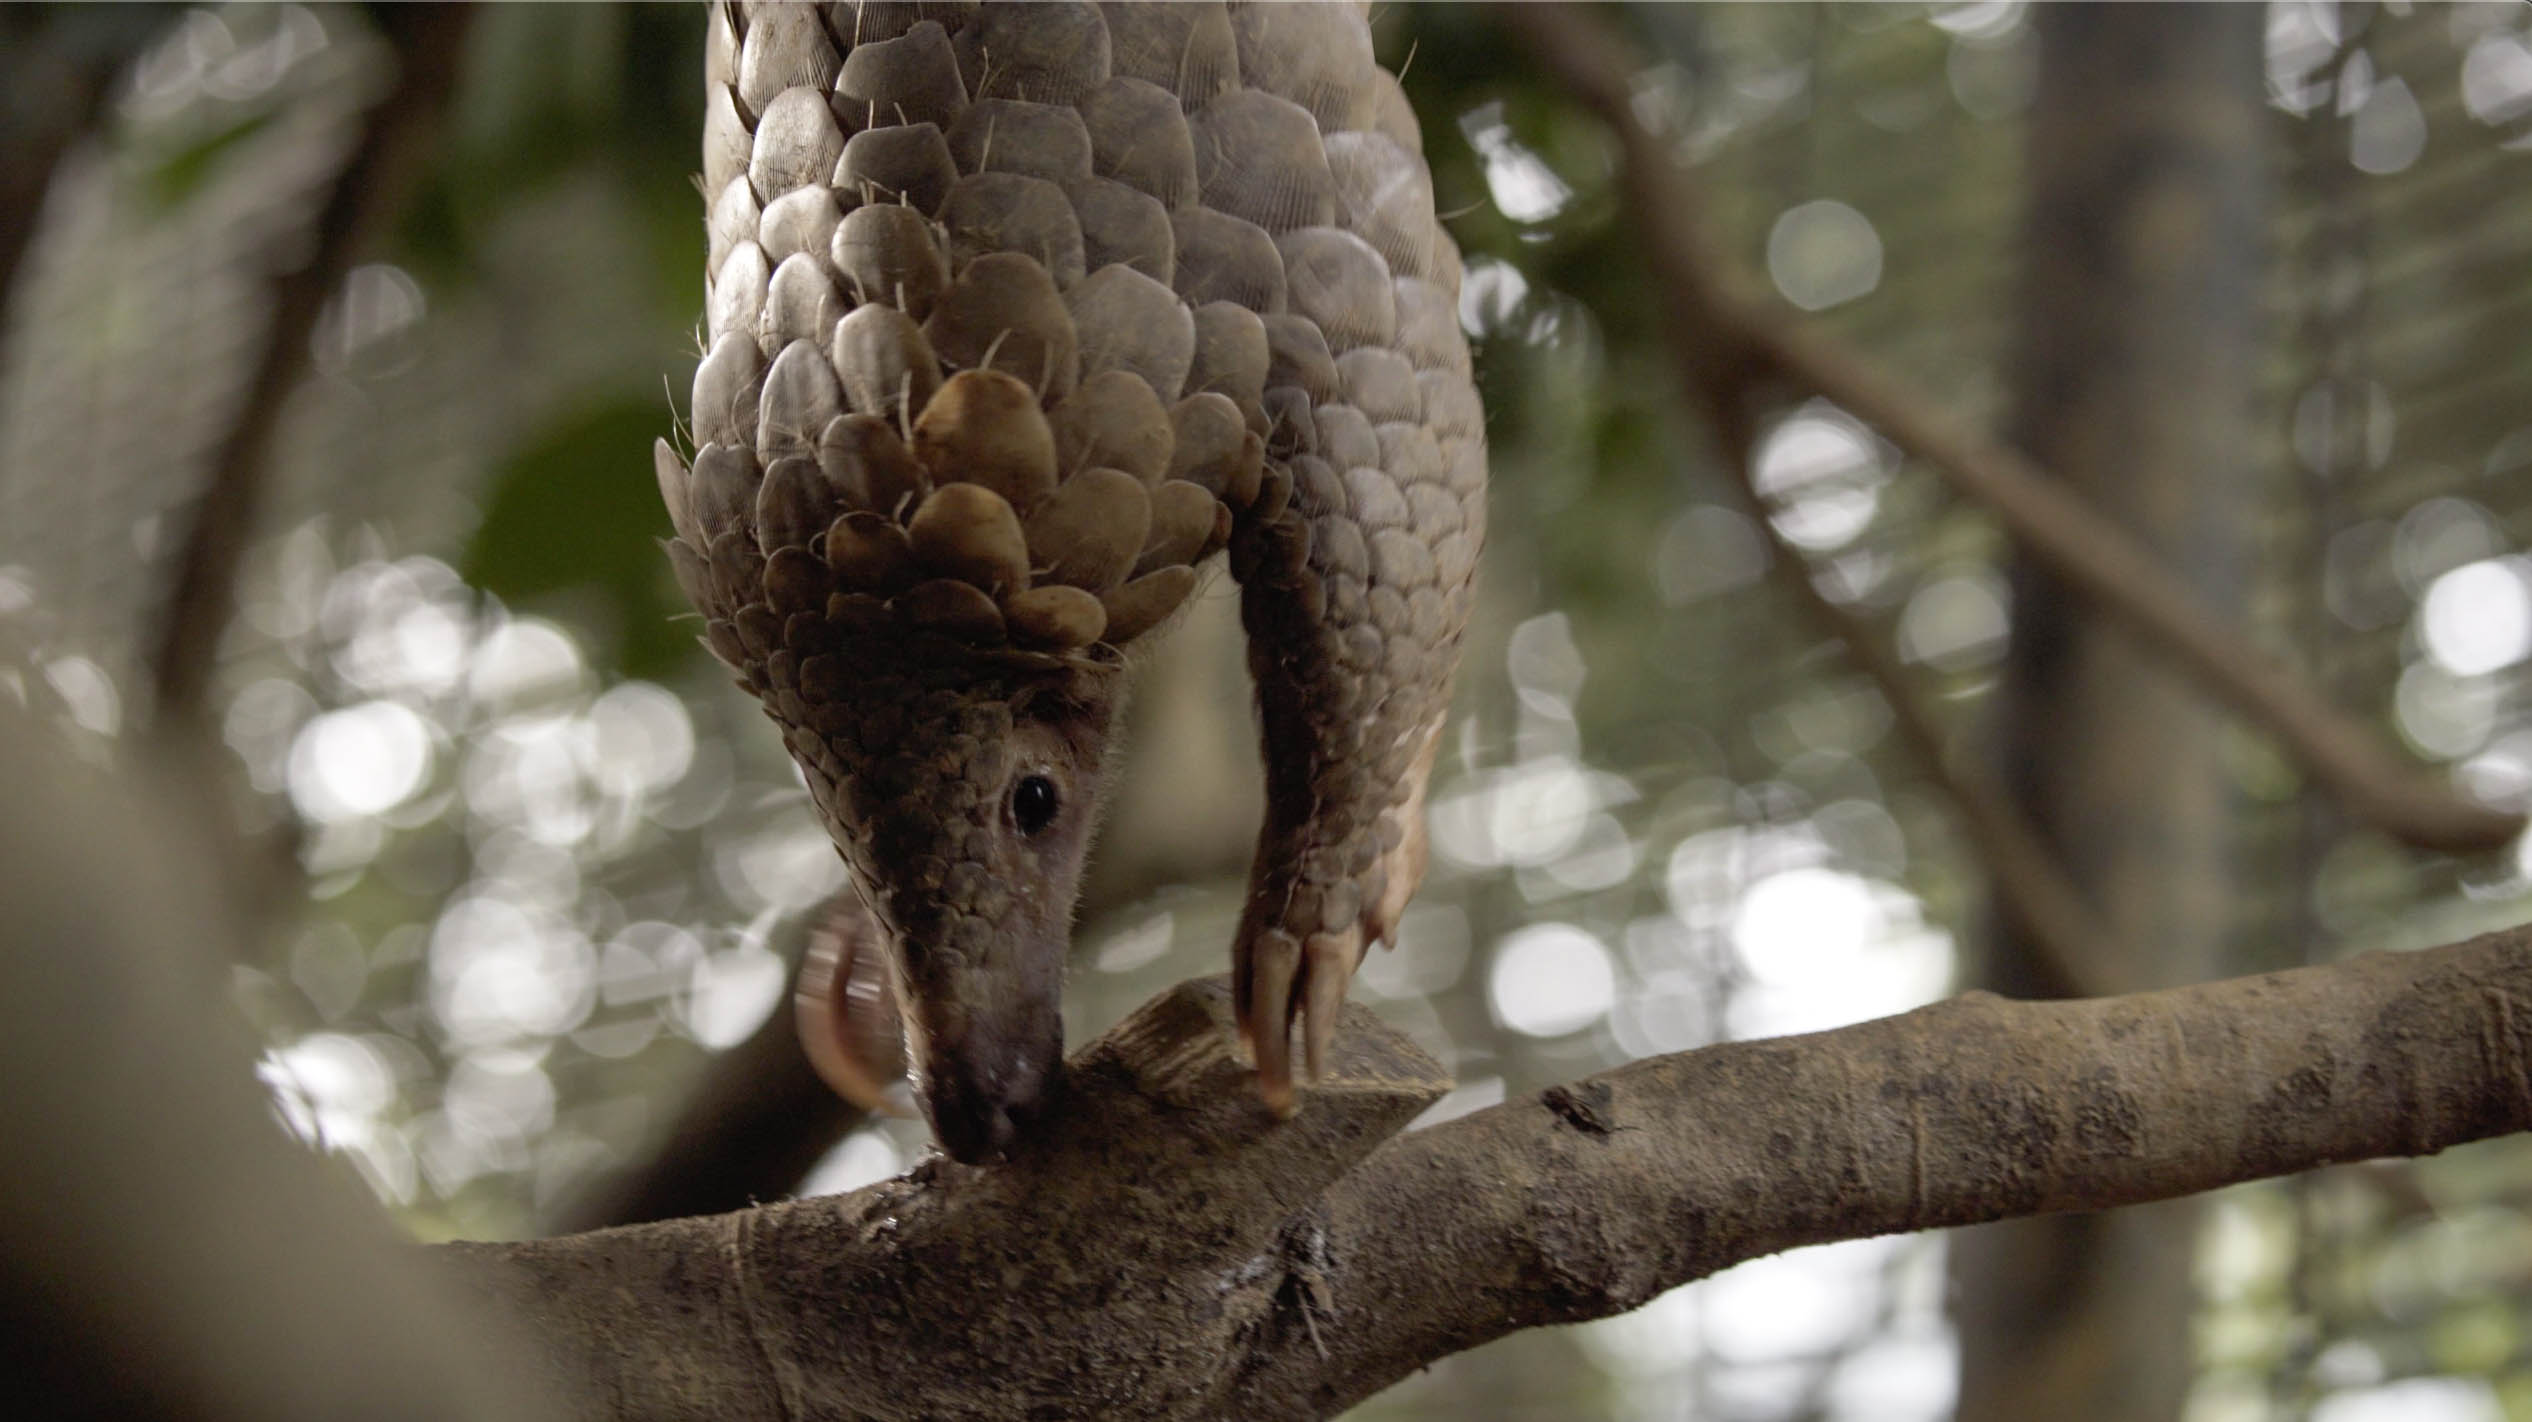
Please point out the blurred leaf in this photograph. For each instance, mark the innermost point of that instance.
(573, 515)
(181, 172)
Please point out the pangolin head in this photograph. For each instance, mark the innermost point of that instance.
(941, 626)
(966, 812)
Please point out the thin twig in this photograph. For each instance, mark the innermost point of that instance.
(2029, 881)
(1744, 339)
(393, 137)
(2032, 884)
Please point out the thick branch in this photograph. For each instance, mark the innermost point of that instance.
(428, 40)
(1176, 1254)
(2088, 551)
(1125, 1270)
(1591, 1198)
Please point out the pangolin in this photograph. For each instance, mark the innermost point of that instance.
(1017, 315)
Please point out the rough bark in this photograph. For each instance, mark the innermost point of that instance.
(1176, 1254)
(2135, 385)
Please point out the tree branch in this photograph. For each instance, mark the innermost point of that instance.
(1742, 339)
(427, 40)
(1174, 1253)
(56, 66)
(1594, 1197)
(1125, 1269)
(2033, 886)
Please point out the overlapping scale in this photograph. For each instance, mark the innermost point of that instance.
(1018, 313)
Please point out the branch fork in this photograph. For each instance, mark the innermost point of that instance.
(1164, 1228)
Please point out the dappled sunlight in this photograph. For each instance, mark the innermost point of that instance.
(2414, 1400)
(1755, 1339)
(1825, 949)
(1524, 187)
(1956, 623)
(2497, 78)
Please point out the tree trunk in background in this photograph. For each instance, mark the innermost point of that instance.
(2134, 381)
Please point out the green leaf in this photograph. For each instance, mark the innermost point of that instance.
(573, 524)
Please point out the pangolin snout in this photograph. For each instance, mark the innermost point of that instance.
(985, 1100)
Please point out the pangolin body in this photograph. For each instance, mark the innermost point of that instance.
(1017, 314)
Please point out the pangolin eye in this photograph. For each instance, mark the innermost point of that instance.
(1033, 803)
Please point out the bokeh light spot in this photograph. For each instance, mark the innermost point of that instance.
(2444, 715)
(2477, 618)
(1823, 253)
(2413, 1400)
(87, 692)
(330, 1088)
(863, 1158)
(2497, 78)
(732, 993)
(1823, 471)
(2389, 130)
(1524, 188)
(1955, 624)
(361, 760)
(1795, 1305)
(640, 738)
(1551, 979)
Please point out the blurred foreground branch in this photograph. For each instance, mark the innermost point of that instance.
(57, 65)
(164, 1250)
(1732, 341)
(427, 41)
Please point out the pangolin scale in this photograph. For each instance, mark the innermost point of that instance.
(1017, 315)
